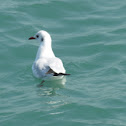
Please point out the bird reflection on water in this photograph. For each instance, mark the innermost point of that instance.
(49, 88)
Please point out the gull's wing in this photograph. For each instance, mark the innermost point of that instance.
(47, 67)
(56, 65)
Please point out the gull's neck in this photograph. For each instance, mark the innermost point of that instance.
(45, 51)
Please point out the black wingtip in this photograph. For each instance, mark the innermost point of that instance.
(60, 74)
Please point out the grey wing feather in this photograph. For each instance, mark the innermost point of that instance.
(56, 65)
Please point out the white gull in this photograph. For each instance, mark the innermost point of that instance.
(46, 64)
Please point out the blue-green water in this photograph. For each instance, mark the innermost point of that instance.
(90, 37)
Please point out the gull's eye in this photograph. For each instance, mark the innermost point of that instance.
(37, 36)
(42, 39)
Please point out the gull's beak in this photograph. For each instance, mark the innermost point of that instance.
(31, 38)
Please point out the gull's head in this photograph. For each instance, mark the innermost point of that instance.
(42, 36)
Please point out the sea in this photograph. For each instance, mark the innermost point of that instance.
(89, 36)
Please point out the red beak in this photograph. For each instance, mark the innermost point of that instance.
(31, 38)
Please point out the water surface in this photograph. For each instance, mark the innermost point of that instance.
(89, 36)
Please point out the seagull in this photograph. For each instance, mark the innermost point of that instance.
(46, 64)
